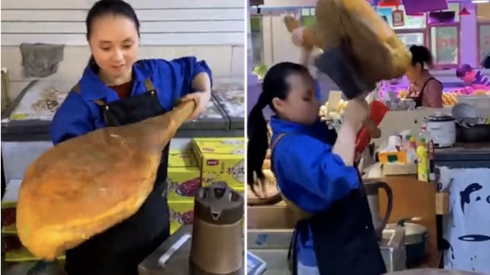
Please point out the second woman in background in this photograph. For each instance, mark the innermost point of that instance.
(315, 172)
(425, 89)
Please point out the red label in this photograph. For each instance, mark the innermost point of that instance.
(212, 162)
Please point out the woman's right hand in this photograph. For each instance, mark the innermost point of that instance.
(356, 111)
(297, 36)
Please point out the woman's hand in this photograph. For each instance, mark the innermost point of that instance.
(201, 99)
(356, 112)
(297, 36)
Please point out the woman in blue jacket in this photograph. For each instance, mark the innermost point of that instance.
(315, 172)
(115, 90)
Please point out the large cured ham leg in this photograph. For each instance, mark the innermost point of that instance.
(87, 184)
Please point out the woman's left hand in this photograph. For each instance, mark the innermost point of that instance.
(201, 99)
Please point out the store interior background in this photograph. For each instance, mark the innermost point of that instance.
(464, 40)
(211, 30)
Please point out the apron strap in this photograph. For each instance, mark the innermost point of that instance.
(100, 102)
(76, 88)
(292, 257)
(293, 254)
(275, 141)
(149, 85)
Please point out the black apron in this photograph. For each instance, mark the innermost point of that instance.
(418, 99)
(120, 249)
(344, 239)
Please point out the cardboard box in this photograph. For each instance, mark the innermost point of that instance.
(181, 158)
(181, 212)
(183, 183)
(442, 203)
(277, 216)
(184, 176)
(220, 160)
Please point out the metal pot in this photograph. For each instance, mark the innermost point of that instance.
(416, 240)
(472, 130)
(441, 129)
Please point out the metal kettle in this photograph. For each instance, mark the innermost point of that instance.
(217, 235)
(372, 188)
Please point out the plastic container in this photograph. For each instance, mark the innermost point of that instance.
(422, 161)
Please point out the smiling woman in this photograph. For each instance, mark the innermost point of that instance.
(120, 90)
(124, 63)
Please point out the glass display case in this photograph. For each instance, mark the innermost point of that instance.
(483, 19)
(444, 44)
(257, 39)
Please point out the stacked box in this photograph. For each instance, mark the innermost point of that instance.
(221, 160)
(184, 177)
(184, 180)
(15, 252)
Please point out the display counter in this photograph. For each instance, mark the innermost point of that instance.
(29, 116)
(171, 257)
(270, 229)
(231, 98)
(25, 124)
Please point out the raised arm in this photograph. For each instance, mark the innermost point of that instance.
(189, 74)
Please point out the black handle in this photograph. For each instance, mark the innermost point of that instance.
(389, 207)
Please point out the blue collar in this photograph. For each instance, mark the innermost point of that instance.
(280, 126)
(93, 88)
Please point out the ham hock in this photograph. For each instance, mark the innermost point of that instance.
(87, 184)
(374, 48)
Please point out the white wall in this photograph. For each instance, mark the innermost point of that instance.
(212, 30)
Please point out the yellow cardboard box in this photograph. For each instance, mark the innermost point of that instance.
(181, 158)
(184, 177)
(181, 213)
(220, 159)
(183, 183)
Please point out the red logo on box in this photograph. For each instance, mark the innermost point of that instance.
(212, 162)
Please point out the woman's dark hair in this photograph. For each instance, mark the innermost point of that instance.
(109, 7)
(421, 55)
(275, 84)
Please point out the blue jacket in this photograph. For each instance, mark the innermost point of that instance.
(308, 173)
(78, 114)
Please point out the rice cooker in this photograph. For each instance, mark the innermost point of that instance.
(441, 129)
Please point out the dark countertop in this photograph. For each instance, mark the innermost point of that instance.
(214, 124)
(176, 250)
(464, 152)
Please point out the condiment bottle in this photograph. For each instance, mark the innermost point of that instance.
(422, 161)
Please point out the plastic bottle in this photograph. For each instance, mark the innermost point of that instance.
(406, 142)
(422, 161)
(428, 141)
(423, 133)
(412, 150)
(430, 150)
